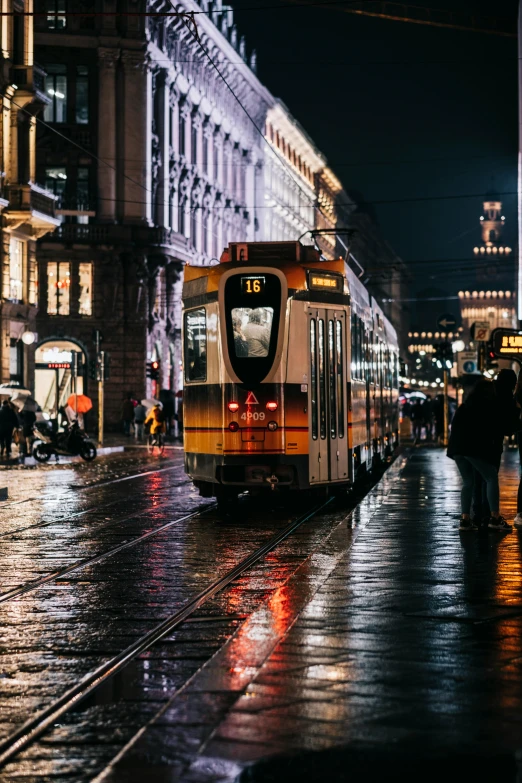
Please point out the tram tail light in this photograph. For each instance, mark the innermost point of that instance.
(233, 426)
(272, 426)
(272, 406)
(233, 406)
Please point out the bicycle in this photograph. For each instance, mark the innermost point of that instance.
(155, 444)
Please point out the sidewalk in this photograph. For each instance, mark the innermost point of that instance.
(112, 444)
(395, 651)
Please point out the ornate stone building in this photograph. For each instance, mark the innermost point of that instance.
(291, 162)
(164, 166)
(26, 209)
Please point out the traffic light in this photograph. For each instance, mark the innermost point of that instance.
(93, 369)
(153, 370)
(443, 356)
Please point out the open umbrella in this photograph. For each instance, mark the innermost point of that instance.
(150, 403)
(80, 403)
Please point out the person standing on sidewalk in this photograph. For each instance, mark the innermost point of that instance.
(476, 443)
(140, 414)
(8, 423)
(518, 400)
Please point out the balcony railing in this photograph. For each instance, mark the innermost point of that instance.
(30, 198)
(74, 232)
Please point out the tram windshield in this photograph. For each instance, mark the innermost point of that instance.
(252, 330)
(252, 314)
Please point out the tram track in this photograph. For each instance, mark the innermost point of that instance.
(27, 734)
(92, 485)
(97, 507)
(29, 587)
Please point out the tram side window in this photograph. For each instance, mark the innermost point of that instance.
(252, 331)
(196, 345)
(357, 348)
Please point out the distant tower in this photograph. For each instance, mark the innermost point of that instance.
(492, 222)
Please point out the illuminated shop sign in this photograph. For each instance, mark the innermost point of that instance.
(56, 356)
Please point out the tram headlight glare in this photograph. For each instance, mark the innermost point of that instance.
(233, 406)
(272, 426)
(233, 426)
(272, 406)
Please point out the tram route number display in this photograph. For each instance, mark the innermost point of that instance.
(252, 285)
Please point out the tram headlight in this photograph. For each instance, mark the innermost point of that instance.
(233, 406)
(272, 406)
(233, 426)
(272, 426)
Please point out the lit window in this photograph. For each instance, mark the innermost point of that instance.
(16, 270)
(58, 287)
(56, 181)
(56, 90)
(82, 94)
(85, 298)
(16, 360)
(56, 17)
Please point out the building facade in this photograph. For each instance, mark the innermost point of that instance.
(164, 166)
(291, 163)
(26, 209)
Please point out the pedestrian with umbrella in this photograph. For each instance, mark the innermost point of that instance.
(77, 406)
(8, 423)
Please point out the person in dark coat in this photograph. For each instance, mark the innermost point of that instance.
(505, 383)
(8, 423)
(476, 443)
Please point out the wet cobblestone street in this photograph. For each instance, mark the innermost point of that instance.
(379, 628)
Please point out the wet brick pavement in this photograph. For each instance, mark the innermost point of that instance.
(55, 633)
(398, 639)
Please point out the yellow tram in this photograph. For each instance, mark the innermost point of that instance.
(290, 372)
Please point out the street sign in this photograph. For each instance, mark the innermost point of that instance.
(467, 363)
(507, 344)
(446, 321)
(480, 331)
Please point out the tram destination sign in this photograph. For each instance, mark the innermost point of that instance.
(507, 344)
(322, 281)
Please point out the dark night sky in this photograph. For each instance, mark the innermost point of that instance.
(402, 111)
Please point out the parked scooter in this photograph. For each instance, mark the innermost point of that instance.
(71, 441)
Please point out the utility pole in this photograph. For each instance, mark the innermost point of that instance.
(101, 379)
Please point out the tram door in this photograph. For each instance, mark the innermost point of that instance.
(327, 402)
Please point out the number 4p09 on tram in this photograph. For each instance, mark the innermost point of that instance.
(290, 372)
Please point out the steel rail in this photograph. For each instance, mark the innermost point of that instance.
(32, 729)
(94, 485)
(70, 517)
(29, 587)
